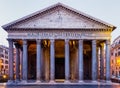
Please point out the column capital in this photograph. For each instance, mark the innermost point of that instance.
(52, 40)
(80, 41)
(10, 40)
(17, 45)
(21, 48)
(94, 42)
(38, 41)
(66, 40)
(24, 42)
(108, 42)
(101, 44)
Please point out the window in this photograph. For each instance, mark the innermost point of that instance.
(119, 48)
(1, 55)
(119, 53)
(6, 67)
(6, 57)
(115, 54)
(6, 52)
(112, 72)
(6, 62)
(1, 50)
(111, 54)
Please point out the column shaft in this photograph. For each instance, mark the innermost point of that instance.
(38, 60)
(21, 62)
(52, 60)
(80, 60)
(102, 61)
(107, 60)
(67, 61)
(94, 61)
(17, 62)
(25, 64)
(11, 73)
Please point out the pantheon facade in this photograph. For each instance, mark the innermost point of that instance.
(59, 44)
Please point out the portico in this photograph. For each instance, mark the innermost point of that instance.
(59, 43)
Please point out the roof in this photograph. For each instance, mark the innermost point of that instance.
(9, 25)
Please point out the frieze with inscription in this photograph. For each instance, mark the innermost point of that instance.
(57, 35)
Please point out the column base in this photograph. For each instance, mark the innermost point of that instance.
(108, 81)
(17, 81)
(66, 81)
(80, 81)
(10, 82)
(23, 81)
(52, 81)
(38, 81)
(94, 81)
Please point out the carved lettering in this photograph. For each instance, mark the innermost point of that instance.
(58, 34)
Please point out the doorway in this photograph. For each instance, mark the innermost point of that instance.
(87, 67)
(87, 60)
(59, 68)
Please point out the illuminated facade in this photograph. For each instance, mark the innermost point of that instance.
(59, 43)
(115, 57)
(3, 60)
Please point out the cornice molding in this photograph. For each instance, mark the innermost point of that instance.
(60, 29)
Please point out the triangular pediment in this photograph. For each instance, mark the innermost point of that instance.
(59, 16)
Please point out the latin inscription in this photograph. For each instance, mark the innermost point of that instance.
(59, 34)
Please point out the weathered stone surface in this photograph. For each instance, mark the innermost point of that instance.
(59, 18)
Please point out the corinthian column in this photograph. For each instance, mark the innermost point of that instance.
(108, 60)
(102, 61)
(38, 74)
(25, 57)
(11, 76)
(80, 60)
(94, 61)
(17, 62)
(52, 61)
(67, 61)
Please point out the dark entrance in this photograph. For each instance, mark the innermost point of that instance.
(32, 66)
(87, 67)
(59, 68)
(87, 60)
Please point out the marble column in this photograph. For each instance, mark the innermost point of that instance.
(67, 61)
(80, 60)
(102, 61)
(11, 72)
(38, 65)
(52, 60)
(17, 62)
(107, 60)
(98, 62)
(94, 61)
(25, 61)
(21, 62)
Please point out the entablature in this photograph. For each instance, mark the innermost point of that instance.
(59, 34)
